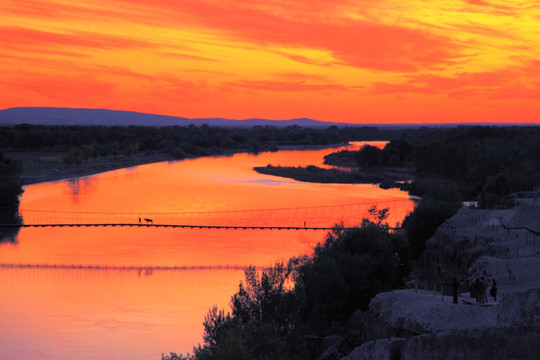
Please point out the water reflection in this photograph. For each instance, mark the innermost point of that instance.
(107, 314)
(156, 247)
(99, 314)
(9, 235)
(9, 232)
(203, 186)
(78, 186)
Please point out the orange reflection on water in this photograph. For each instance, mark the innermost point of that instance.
(157, 247)
(215, 191)
(106, 314)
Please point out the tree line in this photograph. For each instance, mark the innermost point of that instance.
(89, 142)
(478, 160)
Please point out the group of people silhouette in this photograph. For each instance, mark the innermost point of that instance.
(479, 290)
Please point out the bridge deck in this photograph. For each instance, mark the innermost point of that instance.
(184, 226)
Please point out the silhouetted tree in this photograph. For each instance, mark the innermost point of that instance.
(424, 221)
(260, 321)
(356, 263)
(10, 189)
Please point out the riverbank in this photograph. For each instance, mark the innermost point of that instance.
(39, 167)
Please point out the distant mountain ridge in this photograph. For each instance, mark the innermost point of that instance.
(80, 116)
(71, 116)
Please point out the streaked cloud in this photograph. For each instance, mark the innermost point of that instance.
(31, 39)
(288, 86)
(521, 82)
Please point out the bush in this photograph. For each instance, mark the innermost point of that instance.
(260, 325)
(356, 263)
(424, 221)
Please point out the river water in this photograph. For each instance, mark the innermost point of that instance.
(136, 292)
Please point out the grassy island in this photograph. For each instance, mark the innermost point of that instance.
(316, 174)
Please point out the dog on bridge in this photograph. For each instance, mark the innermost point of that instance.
(148, 221)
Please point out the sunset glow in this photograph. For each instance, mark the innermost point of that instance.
(371, 61)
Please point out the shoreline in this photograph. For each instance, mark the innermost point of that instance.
(42, 167)
(92, 168)
(385, 178)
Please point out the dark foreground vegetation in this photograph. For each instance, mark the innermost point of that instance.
(282, 312)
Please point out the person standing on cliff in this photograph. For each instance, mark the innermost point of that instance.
(455, 288)
(484, 285)
(477, 287)
(493, 290)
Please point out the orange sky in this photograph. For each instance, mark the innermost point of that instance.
(369, 61)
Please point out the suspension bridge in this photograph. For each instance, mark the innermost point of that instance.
(293, 218)
(312, 218)
(216, 227)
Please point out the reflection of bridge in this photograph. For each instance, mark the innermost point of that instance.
(299, 218)
(146, 269)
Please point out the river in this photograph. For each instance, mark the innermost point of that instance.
(136, 292)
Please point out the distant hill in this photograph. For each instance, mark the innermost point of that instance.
(68, 116)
